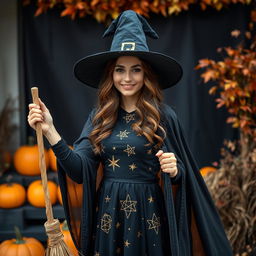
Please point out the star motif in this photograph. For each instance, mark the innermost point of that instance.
(114, 148)
(154, 223)
(123, 134)
(150, 199)
(126, 243)
(132, 166)
(113, 162)
(129, 150)
(129, 117)
(118, 224)
(128, 206)
(107, 199)
(106, 222)
(139, 234)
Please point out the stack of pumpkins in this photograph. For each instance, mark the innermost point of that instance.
(26, 162)
(12, 195)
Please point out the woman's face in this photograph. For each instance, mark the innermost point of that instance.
(128, 76)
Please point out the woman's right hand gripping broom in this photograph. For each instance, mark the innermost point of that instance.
(40, 113)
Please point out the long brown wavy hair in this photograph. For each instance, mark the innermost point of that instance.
(109, 100)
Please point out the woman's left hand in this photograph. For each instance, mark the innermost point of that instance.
(168, 162)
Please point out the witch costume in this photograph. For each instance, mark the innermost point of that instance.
(119, 202)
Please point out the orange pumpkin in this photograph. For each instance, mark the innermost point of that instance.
(53, 161)
(12, 195)
(68, 239)
(35, 193)
(21, 246)
(26, 160)
(59, 195)
(207, 169)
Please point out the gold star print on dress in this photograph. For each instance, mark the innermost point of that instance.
(123, 134)
(106, 223)
(126, 243)
(129, 117)
(128, 206)
(129, 150)
(132, 166)
(113, 162)
(154, 223)
(151, 199)
(107, 199)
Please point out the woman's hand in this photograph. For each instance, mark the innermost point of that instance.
(40, 113)
(168, 163)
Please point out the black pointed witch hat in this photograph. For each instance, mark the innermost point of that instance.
(129, 32)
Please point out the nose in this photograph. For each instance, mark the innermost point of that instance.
(127, 77)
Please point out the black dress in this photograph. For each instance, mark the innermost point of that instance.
(130, 213)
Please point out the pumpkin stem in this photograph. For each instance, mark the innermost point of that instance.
(19, 239)
(65, 225)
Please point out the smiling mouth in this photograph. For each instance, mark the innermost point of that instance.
(128, 86)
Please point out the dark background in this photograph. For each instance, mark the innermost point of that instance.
(50, 45)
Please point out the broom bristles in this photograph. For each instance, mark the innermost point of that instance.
(56, 245)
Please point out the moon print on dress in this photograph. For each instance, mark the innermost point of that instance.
(130, 200)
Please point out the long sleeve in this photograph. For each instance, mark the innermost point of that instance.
(75, 162)
(68, 159)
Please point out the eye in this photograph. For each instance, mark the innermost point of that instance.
(119, 70)
(137, 70)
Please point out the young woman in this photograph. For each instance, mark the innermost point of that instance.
(132, 145)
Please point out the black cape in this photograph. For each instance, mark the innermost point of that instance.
(195, 227)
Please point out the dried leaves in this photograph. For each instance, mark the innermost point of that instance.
(233, 188)
(102, 10)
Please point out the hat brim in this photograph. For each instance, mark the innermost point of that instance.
(89, 70)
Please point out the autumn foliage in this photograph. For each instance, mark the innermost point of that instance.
(233, 184)
(103, 10)
(235, 81)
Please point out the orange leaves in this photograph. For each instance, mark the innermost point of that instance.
(104, 9)
(209, 75)
(235, 80)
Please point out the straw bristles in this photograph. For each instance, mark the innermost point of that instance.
(56, 245)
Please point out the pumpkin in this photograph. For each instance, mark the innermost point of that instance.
(53, 160)
(59, 195)
(35, 193)
(21, 246)
(12, 195)
(26, 159)
(68, 239)
(207, 169)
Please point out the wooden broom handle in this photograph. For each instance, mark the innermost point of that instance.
(42, 165)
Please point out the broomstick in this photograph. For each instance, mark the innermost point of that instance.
(56, 245)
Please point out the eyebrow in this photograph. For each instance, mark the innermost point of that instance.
(134, 66)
